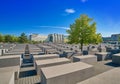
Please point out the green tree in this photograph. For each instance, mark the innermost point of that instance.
(23, 38)
(15, 38)
(8, 38)
(1, 38)
(83, 31)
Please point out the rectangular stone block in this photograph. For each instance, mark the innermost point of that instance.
(10, 60)
(116, 59)
(109, 77)
(9, 74)
(102, 56)
(50, 62)
(46, 56)
(7, 78)
(67, 73)
(0, 52)
(86, 58)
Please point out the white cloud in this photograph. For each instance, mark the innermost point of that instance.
(56, 27)
(69, 11)
(83, 1)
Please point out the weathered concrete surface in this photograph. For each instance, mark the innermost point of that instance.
(7, 78)
(87, 59)
(11, 60)
(9, 74)
(50, 62)
(109, 77)
(103, 56)
(46, 56)
(67, 73)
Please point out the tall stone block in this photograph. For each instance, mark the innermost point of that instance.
(116, 59)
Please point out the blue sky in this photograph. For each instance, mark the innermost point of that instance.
(55, 16)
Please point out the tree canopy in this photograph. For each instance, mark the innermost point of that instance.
(23, 38)
(83, 31)
(12, 39)
(1, 38)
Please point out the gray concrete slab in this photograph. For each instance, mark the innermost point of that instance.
(67, 73)
(46, 56)
(86, 58)
(102, 56)
(116, 59)
(9, 74)
(7, 78)
(6, 61)
(50, 62)
(109, 77)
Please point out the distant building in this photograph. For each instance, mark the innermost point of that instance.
(56, 38)
(113, 39)
(65, 39)
(106, 39)
(38, 37)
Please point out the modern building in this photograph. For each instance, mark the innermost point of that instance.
(106, 39)
(38, 37)
(113, 39)
(65, 39)
(56, 38)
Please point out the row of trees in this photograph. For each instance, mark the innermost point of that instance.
(12, 39)
(83, 31)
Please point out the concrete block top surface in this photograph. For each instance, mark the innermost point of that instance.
(104, 53)
(85, 56)
(8, 69)
(48, 61)
(68, 51)
(117, 55)
(46, 55)
(10, 56)
(5, 77)
(58, 70)
(47, 47)
(109, 77)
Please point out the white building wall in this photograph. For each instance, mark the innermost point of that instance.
(38, 37)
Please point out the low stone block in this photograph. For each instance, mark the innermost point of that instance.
(102, 56)
(8, 75)
(86, 58)
(109, 77)
(46, 56)
(10, 60)
(50, 62)
(67, 73)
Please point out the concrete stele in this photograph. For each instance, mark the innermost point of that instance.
(46, 56)
(67, 73)
(50, 62)
(116, 59)
(109, 77)
(86, 58)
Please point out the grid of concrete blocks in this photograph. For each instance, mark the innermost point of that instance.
(54, 69)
